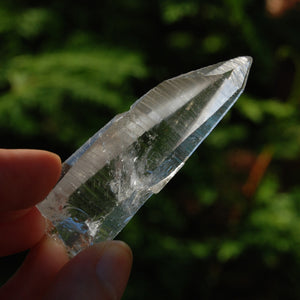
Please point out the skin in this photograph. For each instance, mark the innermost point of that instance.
(99, 272)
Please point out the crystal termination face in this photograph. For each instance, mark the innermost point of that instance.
(110, 177)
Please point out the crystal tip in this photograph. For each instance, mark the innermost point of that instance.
(244, 60)
(247, 59)
(242, 64)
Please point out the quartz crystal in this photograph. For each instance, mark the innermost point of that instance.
(110, 177)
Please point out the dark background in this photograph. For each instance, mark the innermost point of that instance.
(227, 226)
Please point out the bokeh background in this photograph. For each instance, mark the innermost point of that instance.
(227, 226)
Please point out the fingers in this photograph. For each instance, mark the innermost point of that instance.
(100, 272)
(22, 232)
(26, 177)
(37, 272)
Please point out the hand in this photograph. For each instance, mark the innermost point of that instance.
(99, 272)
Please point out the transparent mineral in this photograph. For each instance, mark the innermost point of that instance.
(110, 177)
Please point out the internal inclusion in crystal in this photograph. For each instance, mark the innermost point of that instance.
(112, 175)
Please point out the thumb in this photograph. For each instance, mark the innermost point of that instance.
(99, 272)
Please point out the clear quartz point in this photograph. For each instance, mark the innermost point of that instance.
(111, 176)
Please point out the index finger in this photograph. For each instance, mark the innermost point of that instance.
(26, 177)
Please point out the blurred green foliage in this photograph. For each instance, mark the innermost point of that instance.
(228, 226)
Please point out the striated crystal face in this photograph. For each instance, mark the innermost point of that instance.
(110, 177)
